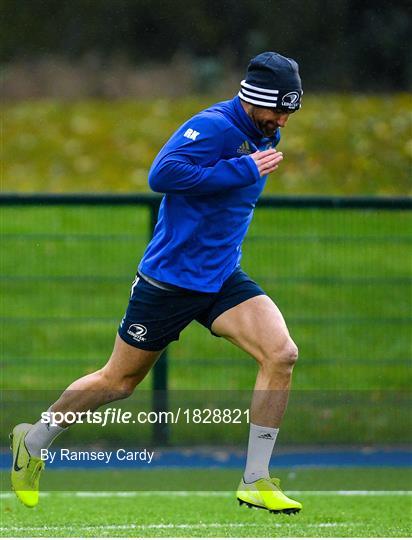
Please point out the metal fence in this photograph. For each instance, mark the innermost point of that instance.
(338, 267)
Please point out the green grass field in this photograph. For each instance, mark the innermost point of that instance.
(337, 503)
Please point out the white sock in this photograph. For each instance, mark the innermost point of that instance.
(259, 451)
(40, 436)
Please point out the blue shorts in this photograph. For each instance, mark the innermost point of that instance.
(155, 316)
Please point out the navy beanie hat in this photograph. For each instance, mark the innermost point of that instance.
(273, 81)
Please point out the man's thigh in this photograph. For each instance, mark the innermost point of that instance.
(256, 325)
(128, 361)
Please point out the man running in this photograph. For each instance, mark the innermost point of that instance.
(212, 171)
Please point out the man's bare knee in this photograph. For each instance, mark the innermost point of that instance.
(125, 369)
(119, 387)
(275, 357)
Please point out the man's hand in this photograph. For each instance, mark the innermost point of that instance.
(267, 161)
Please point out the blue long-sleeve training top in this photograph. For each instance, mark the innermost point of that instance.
(211, 186)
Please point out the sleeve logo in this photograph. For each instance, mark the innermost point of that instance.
(191, 134)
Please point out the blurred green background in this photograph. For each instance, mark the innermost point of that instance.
(336, 144)
(92, 90)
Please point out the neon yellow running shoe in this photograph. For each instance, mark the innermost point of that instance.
(26, 469)
(266, 494)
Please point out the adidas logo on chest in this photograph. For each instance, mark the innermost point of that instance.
(244, 148)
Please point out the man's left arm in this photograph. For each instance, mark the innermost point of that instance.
(191, 161)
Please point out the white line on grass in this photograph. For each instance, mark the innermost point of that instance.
(158, 526)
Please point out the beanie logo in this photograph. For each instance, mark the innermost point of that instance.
(290, 100)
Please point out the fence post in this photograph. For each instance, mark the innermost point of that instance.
(160, 399)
